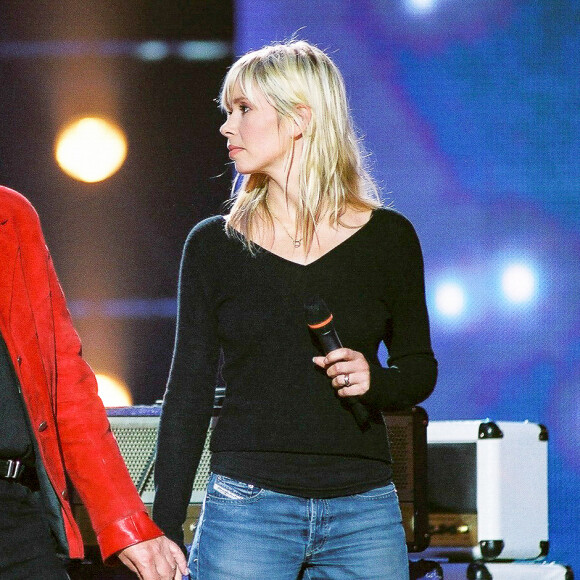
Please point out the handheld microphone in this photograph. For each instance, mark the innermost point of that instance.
(320, 322)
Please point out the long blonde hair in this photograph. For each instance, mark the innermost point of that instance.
(332, 172)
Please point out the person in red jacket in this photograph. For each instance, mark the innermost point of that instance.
(54, 428)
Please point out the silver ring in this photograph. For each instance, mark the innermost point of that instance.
(346, 381)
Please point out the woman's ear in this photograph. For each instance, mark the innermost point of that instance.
(304, 114)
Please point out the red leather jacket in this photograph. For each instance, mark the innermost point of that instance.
(69, 421)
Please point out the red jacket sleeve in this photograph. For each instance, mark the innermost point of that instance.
(91, 456)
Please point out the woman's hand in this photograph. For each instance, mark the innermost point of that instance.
(348, 369)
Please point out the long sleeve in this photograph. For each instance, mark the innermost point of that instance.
(188, 401)
(250, 307)
(411, 371)
(67, 416)
(91, 455)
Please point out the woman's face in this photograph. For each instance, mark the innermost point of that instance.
(258, 141)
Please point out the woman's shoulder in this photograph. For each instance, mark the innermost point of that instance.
(209, 226)
(206, 235)
(391, 221)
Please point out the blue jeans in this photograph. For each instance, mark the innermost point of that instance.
(248, 533)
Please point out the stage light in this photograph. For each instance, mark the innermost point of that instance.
(450, 299)
(91, 149)
(420, 6)
(203, 50)
(113, 392)
(153, 50)
(519, 283)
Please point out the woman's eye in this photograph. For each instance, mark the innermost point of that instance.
(244, 108)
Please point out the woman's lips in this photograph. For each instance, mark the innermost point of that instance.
(233, 150)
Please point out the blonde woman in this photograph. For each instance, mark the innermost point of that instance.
(298, 488)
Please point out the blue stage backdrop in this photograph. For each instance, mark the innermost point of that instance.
(471, 112)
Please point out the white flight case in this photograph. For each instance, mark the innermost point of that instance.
(526, 570)
(518, 571)
(488, 489)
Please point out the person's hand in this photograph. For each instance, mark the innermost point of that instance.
(348, 369)
(157, 559)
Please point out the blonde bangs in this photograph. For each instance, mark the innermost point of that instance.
(332, 167)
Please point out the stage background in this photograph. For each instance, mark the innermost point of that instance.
(470, 110)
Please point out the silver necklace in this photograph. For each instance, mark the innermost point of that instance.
(295, 241)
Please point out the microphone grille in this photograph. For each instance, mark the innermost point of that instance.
(316, 310)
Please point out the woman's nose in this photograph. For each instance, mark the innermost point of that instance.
(226, 128)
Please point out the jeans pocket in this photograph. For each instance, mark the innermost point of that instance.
(225, 488)
(378, 492)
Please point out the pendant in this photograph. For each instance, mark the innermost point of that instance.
(297, 243)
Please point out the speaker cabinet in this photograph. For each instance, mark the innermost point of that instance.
(135, 429)
(488, 489)
(407, 432)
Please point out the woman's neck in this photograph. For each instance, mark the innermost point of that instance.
(283, 204)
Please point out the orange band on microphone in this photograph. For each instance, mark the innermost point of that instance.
(320, 324)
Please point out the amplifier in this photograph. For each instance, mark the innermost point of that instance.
(488, 489)
(135, 429)
(407, 432)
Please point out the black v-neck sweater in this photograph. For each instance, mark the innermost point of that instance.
(282, 426)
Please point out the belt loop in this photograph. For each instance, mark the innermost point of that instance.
(15, 468)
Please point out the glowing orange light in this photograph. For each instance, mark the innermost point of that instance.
(113, 392)
(91, 149)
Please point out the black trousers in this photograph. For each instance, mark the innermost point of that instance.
(27, 549)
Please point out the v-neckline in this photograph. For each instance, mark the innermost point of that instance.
(322, 256)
